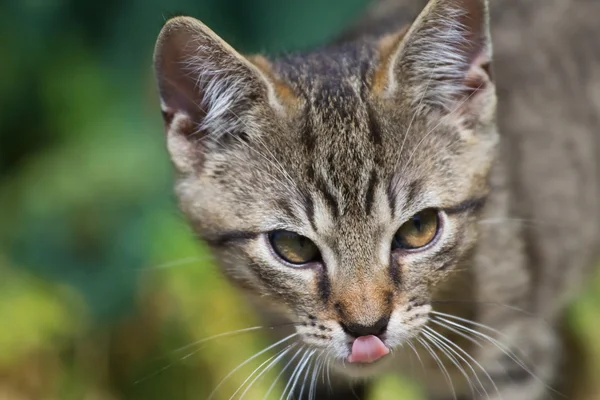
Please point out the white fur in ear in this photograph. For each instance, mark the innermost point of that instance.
(439, 59)
(204, 85)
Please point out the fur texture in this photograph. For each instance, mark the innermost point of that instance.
(346, 143)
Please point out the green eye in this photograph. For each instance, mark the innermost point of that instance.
(418, 231)
(294, 248)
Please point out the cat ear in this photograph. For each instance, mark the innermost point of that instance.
(204, 86)
(443, 61)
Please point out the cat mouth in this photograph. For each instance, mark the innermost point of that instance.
(367, 350)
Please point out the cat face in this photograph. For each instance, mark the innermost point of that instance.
(340, 186)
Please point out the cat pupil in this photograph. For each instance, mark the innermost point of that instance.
(417, 222)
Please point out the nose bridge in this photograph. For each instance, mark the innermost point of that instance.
(362, 287)
(363, 296)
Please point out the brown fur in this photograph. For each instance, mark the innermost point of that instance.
(345, 143)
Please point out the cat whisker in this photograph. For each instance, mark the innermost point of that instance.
(293, 380)
(329, 376)
(231, 333)
(315, 376)
(306, 368)
(508, 352)
(354, 392)
(274, 361)
(325, 361)
(220, 384)
(493, 303)
(457, 332)
(414, 349)
(467, 337)
(224, 334)
(290, 361)
(295, 371)
(457, 349)
(440, 365)
(311, 364)
(449, 353)
(201, 341)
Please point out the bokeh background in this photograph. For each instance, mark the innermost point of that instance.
(104, 292)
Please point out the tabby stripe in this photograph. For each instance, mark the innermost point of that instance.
(370, 197)
(329, 197)
(285, 206)
(374, 127)
(308, 135)
(391, 196)
(323, 284)
(468, 205)
(395, 271)
(414, 189)
(309, 209)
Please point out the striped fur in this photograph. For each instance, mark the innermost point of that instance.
(343, 144)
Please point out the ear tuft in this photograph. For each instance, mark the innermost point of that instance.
(444, 58)
(205, 86)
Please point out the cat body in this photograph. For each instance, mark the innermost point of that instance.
(392, 192)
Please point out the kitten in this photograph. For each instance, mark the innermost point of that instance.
(379, 195)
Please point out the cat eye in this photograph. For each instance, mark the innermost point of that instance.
(418, 231)
(293, 248)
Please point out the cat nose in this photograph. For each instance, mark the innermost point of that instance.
(357, 330)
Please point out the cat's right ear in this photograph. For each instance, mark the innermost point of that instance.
(205, 86)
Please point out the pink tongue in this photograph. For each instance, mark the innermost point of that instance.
(367, 349)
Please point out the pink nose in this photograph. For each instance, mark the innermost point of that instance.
(367, 349)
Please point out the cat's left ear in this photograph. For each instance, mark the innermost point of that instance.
(443, 61)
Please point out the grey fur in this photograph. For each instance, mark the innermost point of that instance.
(315, 143)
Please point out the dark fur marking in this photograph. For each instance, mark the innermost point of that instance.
(328, 197)
(395, 271)
(370, 197)
(324, 285)
(309, 209)
(389, 297)
(285, 206)
(415, 302)
(308, 137)
(228, 238)
(310, 172)
(391, 195)
(414, 189)
(168, 117)
(374, 127)
(468, 205)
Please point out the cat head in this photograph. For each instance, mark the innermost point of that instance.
(341, 185)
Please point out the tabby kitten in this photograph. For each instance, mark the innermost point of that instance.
(365, 192)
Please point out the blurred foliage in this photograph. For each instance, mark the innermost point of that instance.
(104, 293)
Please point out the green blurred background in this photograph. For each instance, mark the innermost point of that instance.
(101, 282)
